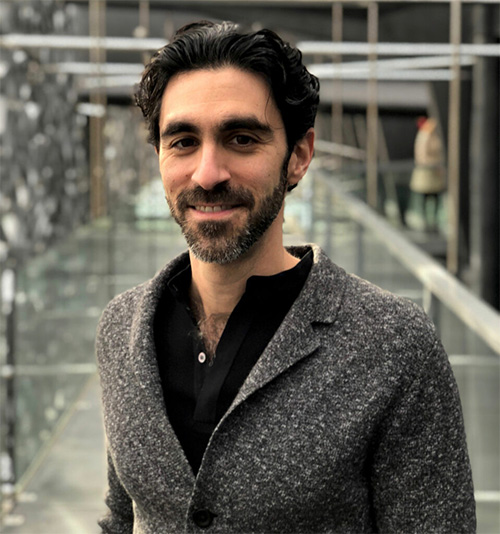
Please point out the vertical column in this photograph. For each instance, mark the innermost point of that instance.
(337, 112)
(452, 259)
(485, 163)
(8, 411)
(372, 110)
(143, 31)
(337, 108)
(144, 24)
(97, 29)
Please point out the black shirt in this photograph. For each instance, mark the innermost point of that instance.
(198, 393)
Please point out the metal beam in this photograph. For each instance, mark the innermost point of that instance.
(425, 62)
(97, 97)
(421, 75)
(97, 82)
(453, 260)
(80, 42)
(337, 109)
(485, 166)
(8, 371)
(396, 49)
(134, 44)
(341, 150)
(294, 3)
(84, 68)
(372, 140)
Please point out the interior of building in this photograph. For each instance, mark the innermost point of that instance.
(83, 215)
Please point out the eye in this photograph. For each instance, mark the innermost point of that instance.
(243, 140)
(185, 142)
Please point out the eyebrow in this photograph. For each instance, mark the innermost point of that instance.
(245, 123)
(177, 127)
(232, 123)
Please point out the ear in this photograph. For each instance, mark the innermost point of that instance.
(301, 157)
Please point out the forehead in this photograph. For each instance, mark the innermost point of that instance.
(211, 95)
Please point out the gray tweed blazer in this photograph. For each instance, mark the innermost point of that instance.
(350, 422)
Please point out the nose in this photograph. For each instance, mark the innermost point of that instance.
(211, 167)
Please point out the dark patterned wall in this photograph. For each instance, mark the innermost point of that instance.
(43, 147)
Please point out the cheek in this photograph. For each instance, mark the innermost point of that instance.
(165, 187)
(261, 174)
(172, 177)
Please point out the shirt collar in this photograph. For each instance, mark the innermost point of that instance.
(257, 287)
(266, 287)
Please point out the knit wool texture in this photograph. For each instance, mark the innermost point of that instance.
(350, 422)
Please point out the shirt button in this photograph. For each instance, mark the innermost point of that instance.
(202, 357)
(203, 518)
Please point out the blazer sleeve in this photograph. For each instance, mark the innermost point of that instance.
(421, 476)
(120, 517)
(110, 342)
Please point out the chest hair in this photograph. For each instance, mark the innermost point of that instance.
(210, 326)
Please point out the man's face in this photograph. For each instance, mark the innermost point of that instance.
(223, 160)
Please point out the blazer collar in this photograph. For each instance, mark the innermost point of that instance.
(296, 338)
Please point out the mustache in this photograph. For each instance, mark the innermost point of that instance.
(222, 193)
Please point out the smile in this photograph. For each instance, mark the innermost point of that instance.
(212, 209)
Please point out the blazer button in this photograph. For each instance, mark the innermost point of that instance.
(203, 518)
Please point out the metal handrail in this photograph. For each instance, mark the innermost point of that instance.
(479, 316)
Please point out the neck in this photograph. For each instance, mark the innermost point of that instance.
(218, 288)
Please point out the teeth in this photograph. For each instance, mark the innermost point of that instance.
(212, 209)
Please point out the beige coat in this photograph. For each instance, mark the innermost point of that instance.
(429, 175)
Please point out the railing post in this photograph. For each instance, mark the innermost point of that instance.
(311, 194)
(329, 222)
(432, 307)
(360, 252)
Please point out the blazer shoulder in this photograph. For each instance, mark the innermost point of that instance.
(373, 302)
(121, 308)
(390, 324)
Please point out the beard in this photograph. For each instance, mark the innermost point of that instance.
(223, 242)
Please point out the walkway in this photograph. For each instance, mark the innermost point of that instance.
(65, 495)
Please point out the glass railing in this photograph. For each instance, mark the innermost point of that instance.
(59, 296)
(57, 302)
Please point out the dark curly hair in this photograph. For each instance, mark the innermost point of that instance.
(205, 44)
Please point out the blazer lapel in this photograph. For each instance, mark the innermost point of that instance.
(295, 339)
(162, 449)
(285, 349)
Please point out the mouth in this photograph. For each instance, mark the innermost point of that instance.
(214, 212)
(220, 204)
(213, 209)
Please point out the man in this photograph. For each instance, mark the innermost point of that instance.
(253, 388)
